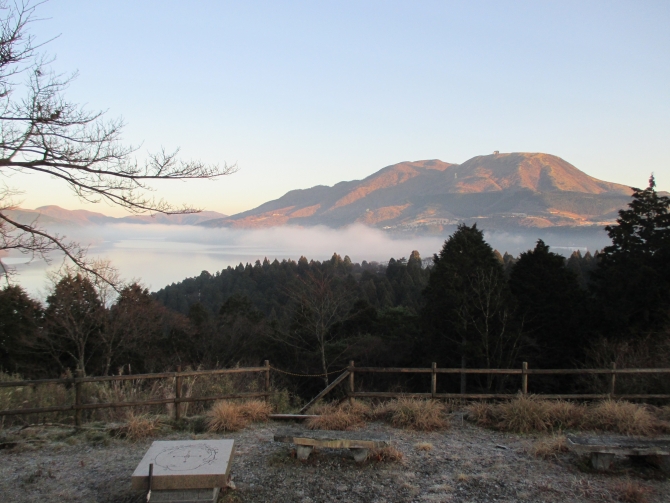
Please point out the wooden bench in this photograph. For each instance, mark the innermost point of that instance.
(359, 443)
(602, 449)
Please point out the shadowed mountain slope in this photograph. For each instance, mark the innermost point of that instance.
(499, 190)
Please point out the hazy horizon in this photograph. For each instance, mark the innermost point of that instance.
(158, 255)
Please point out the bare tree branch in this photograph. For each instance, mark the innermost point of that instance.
(42, 132)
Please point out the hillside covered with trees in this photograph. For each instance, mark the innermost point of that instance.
(471, 307)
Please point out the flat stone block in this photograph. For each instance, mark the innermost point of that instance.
(303, 451)
(187, 496)
(601, 461)
(360, 455)
(185, 464)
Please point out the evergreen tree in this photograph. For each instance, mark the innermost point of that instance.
(20, 324)
(467, 304)
(632, 282)
(552, 306)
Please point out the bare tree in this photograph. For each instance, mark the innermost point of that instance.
(488, 314)
(320, 305)
(42, 132)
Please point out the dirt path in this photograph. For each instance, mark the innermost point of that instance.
(464, 464)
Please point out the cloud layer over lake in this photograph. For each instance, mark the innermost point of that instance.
(158, 255)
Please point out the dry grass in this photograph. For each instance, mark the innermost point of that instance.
(225, 416)
(414, 414)
(528, 413)
(631, 491)
(621, 417)
(230, 416)
(139, 426)
(524, 414)
(386, 454)
(550, 447)
(424, 446)
(255, 411)
(341, 417)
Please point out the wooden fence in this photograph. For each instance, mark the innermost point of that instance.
(77, 407)
(524, 372)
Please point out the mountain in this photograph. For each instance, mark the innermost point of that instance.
(499, 191)
(55, 215)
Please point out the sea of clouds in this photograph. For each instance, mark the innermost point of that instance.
(158, 255)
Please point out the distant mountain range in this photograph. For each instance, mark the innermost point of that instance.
(57, 216)
(499, 191)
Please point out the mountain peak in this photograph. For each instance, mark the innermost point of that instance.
(519, 188)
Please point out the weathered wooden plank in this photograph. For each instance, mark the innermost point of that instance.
(394, 370)
(479, 371)
(334, 439)
(326, 390)
(130, 377)
(384, 394)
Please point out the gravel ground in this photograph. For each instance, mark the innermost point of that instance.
(465, 464)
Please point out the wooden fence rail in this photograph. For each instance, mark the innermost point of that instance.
(77, 407)
(524, 372)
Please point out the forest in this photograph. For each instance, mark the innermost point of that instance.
(471, 307)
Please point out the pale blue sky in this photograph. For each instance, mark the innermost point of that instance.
(306, 93)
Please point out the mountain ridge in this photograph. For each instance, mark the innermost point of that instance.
(500, 191)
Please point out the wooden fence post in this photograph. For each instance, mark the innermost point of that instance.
(524, 378)
(177, 394)
(267, 380)
(433, 381)
(79, 373)
(351, 382)
(613, 381)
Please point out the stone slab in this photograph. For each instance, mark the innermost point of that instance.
(186, 496)
(334, 439)
(620, 445)
(185, 464)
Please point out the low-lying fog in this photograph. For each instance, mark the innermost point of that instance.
(158, 255)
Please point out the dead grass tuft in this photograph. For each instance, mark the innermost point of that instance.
(481, 413)
(255, 411)
(414, 414)
(231, 416)
(387, 454)
(550, 447)
(529, 413)
(631, 491)
(621, 417)
(424, 446)
(139, 426)
(225, 416)
(346, 416)
(523, 414)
